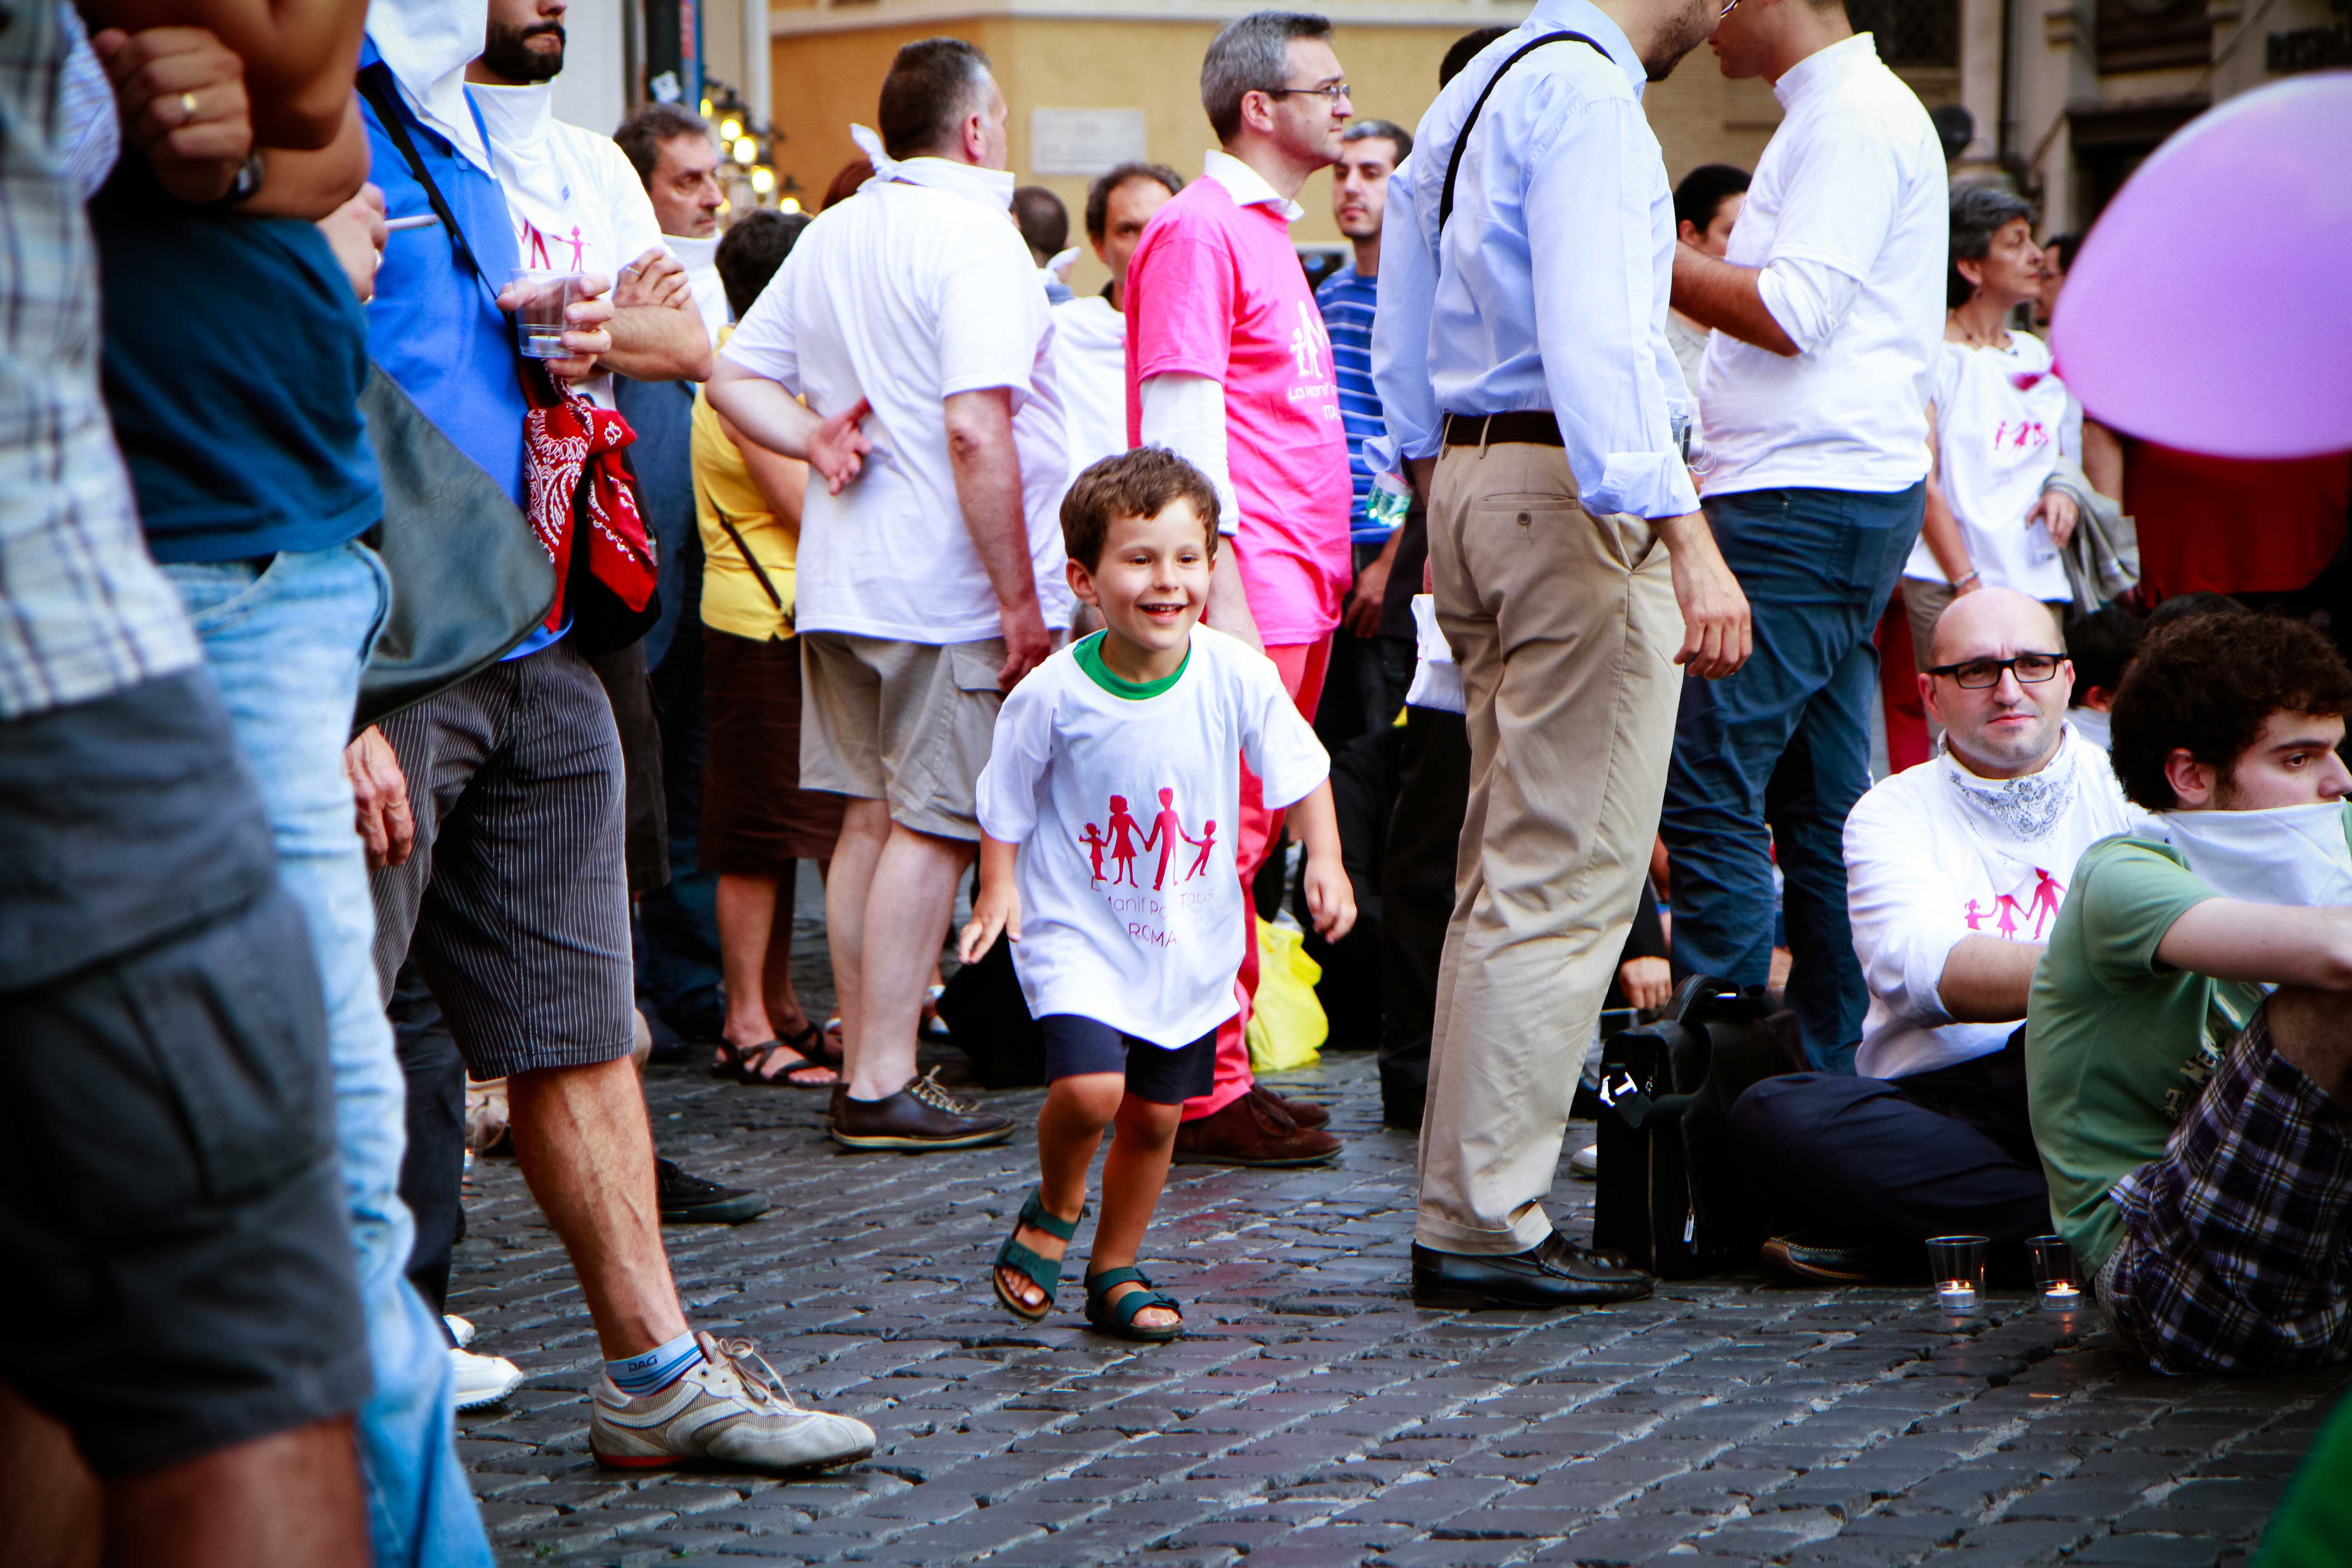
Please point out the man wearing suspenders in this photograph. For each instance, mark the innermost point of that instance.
(1521, 357)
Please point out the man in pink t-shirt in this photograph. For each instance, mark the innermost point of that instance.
(1228, 365)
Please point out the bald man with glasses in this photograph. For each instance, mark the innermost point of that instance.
(1955, 870)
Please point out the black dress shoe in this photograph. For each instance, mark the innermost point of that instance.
(1554, 1273)
(1831, 1261)
(686, 1199)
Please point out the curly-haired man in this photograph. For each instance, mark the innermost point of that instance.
(2188, 1052)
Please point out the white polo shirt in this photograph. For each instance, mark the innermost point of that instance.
(1849, 218)
(917, 288)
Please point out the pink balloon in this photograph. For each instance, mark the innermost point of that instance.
(2211, 306)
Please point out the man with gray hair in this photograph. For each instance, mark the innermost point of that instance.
(1229, 365)
(1522, 360)
(930, 576)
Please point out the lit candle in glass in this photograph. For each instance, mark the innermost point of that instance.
(1956, 1265)
(2054, 1272)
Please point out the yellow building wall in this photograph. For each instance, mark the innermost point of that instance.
(823, 81)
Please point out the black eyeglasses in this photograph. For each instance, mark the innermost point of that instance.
(1978, 674)
(1334, 92)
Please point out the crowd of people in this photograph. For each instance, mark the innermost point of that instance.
(1530, 574)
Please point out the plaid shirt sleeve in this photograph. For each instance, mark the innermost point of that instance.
(83, 611)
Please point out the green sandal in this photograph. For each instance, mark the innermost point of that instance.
(1117, 1317)
(1045, 1273)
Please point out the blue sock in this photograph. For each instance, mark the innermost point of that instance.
(640, 1375)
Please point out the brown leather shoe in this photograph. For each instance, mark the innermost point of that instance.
(1249, 1132)
(1305, 1112)
(919, 1118)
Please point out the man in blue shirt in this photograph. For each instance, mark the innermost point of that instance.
(1382, 656)
(1521, 358)
(508, 887)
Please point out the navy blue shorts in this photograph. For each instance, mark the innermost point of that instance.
(1075, 1045)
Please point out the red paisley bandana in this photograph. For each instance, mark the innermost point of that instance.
(573, 448)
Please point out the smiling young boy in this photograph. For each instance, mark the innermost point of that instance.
(1128, 980)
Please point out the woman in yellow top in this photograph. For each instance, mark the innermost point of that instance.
(756, 820)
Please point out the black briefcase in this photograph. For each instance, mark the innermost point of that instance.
(1673, 1198)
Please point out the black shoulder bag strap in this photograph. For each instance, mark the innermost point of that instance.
(758, 570)
(1453, 164)
(375, 85)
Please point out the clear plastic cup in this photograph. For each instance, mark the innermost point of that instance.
(545, 295)
(1956, 1265)
(2056, 1279)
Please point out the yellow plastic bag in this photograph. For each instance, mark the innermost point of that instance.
(1287, 1027)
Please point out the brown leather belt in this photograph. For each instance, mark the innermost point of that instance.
(1528, 427)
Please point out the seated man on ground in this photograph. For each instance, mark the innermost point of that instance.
(1954, 873)
(2194, 1129)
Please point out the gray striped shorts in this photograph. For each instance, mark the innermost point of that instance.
(515, 902)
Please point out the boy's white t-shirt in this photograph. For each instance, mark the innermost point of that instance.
(1125, 809)
(2002, 421)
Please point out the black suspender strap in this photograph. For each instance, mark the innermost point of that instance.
(1461, 141)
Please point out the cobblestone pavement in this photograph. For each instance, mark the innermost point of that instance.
(1313, 1417)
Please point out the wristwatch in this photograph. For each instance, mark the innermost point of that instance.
(248, 181)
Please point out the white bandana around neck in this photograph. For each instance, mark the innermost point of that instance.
(990, 187)
(2295, 856)
(2024, 810)
(523, 157)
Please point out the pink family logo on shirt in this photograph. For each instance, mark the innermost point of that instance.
(535, 246)
(1309, 342)
(1126, 839)
(2009, 916)
(2020, 434)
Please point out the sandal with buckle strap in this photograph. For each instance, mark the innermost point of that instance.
(743, 1064)
(1117, 1317)
(1045, 1273)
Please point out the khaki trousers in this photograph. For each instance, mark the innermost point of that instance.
(1565, 628)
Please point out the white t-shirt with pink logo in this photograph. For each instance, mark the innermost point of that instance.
(1934, 855)
(1215, 290)
(1125, 807)
(2002, 422)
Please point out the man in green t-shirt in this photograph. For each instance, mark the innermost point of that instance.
(2193, 1129)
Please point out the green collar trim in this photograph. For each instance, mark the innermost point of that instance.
(1089, 653)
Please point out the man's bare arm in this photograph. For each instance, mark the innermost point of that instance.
(761, 410)
(657, 334)
(988, 488)
(1719, 295)
(2270, 944)
(312, 186)
(1985, 979)
(300, 56)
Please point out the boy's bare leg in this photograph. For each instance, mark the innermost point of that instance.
(1069, 1131)
(2311, 1029)
(1133, 1174)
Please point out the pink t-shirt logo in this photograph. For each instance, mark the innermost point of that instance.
(1310, 344)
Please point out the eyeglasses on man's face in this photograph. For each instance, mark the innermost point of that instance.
(1334, 92)
(1979, 674)
(1727, 10)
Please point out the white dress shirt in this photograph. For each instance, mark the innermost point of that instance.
(1927, 865)
(1548, 289)
(1849, 217)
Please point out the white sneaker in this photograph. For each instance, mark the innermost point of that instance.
(1586, 1161)
(482, 1379)
(460, 1331)
(731, 1410)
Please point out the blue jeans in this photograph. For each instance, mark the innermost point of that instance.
(285, 639)
(1775, 756)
